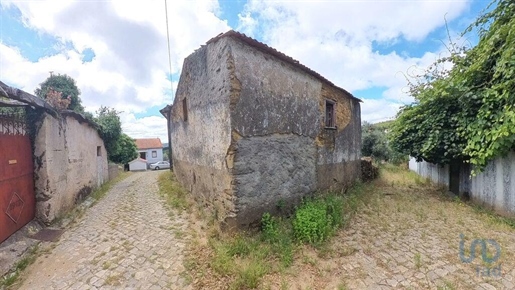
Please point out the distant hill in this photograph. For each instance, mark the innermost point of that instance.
(383, 125)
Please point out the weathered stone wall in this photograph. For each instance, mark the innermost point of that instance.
(339, 150)
(200, 144)
(66, 165)
(282, 150)
(252, 135)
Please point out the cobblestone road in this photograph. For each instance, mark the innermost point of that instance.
(129, 239)
(408, 237)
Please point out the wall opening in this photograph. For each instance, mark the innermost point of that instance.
(329, 114)
(185, 109)
(143, 155)
(99, 151)
(154, 154)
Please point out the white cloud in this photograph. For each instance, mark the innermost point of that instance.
(153, 126)
(130, 67)
(335, 38)
(374, 111)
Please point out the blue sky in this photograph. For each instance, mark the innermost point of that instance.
(116, 50)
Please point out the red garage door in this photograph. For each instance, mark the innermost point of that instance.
(17, 200)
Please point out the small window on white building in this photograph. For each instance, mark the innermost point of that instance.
(99, 151)
(154, 154)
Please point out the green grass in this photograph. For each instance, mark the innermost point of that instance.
(174, 194)
(418, 260)
(12, 276)
(247, 257)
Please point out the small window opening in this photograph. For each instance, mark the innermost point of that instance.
(185, 109)
(143, 155)
(99, 151)
(329, 114)
(154, 154)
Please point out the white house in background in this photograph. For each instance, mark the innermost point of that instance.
(150, 149)
(138, 164)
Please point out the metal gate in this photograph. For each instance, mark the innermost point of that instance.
(17, 202)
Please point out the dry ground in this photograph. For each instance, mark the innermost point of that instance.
(406, 235)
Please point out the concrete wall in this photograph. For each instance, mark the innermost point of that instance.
(137, 165)
(438, 174)
(113, 171)
(66, 165)
(200, 144)
(494, 187)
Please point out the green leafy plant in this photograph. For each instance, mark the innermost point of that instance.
(313, 222)
(464, 103)
(269, 227)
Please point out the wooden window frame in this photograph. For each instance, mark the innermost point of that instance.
(330, 114)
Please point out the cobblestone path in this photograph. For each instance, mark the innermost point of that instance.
(129, 239)
(408, 237)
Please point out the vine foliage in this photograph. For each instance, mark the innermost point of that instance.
(464, 105)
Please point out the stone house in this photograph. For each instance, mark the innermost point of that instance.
(150, 149)
(252, 129)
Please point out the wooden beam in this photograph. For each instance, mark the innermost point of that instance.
(22, 96)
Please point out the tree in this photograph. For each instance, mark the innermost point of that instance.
(125, 151)
(110, 129)
(65, 85)
(466, 113)
(374, 142)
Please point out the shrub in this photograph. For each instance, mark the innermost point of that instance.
(312, 222)
(270, 227)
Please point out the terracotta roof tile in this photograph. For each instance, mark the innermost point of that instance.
(148, 143)
(272, 51)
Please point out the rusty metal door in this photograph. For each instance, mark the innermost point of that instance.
(17, 201)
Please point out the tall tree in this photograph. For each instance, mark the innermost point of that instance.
(65, 85)
(110, 128)
(125, 151)
(374, 142)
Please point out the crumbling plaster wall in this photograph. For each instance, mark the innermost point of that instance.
(67, 167)
(282, 150)
(200, 144)
(339, 150)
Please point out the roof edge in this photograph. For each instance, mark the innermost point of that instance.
(274, 52)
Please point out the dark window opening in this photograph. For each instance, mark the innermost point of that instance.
(329, 114)
(99, 151)
(154, 154)
(143, 155)
(185, 109)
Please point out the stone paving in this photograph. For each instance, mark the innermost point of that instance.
(408, 237)
(128, 240)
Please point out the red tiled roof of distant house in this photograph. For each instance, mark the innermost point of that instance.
(148, 143)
